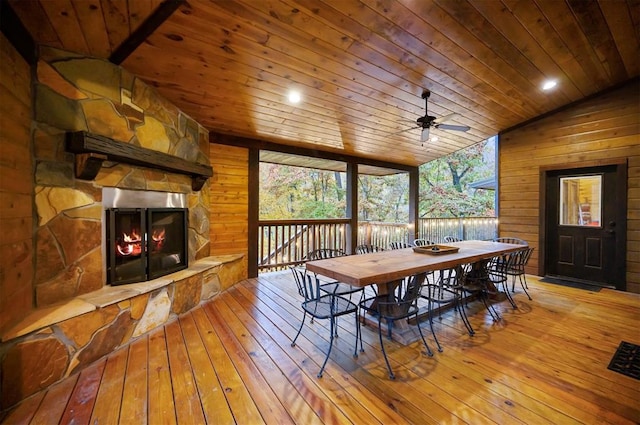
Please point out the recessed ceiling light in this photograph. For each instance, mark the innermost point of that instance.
(549, 84)
(434, 139)
(294, 96)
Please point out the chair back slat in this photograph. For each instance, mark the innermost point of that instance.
(308, 286)
(399, 245)
(452, 239)
(366, 249)
(511, 239)
(423, 242)
(323, 253)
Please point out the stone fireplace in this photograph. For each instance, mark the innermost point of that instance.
(145, 235)
(140, 144)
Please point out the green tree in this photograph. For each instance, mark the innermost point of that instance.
(444, 183)
(288, 192)
(383, 198)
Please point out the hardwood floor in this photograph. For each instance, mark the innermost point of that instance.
(230, 361)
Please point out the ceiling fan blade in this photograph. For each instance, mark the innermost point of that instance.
(445, 118)
(425, 135)
(403, 131)
(453, 127)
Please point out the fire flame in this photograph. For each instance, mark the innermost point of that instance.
(130, 244)
(158, 237)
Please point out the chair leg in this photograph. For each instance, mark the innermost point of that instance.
(492, 311)
(293, 343)
(523, 283)
(424, 341)
(384, 353)
(332, 322)
(435, 338)
(463, 315)
(505, 285)
(358, 336)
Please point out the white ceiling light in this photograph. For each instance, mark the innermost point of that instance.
(294, 96)
(434, 139)
(549, 84)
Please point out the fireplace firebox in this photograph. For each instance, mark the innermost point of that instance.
(145, 243)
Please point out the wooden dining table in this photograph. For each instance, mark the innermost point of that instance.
(386, 269)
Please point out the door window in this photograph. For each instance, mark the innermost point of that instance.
(580, 201)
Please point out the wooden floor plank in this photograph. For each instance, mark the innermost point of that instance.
(109, 398)
(246, 300)
(212, 395)
(231, 361)
(256, 387)
(134, 395)
(296, 404)
(161, 407)
(81, 403)
(314, 340)
(290, 360)
(24, 412)
(54, 403)
(186, 398)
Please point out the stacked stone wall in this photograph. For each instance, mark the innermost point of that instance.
(77, 93)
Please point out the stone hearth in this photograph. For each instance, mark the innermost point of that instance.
(62, 339)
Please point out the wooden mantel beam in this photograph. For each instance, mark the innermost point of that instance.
(91, 150)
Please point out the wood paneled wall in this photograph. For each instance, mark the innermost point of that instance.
(229, 203)
(16, 187)
(601, 128)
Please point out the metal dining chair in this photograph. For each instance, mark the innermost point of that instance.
(367, 248)
(452, 239)
(397, 307)
(332, 286)
(511, 239)
(446, 290)
(321, 305)
(400, 245)
(477, 282)
(516, 269)
(423, 242)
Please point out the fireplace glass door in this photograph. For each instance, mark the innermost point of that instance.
(167, 233)
(145, 243)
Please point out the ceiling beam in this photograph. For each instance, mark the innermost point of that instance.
(245, 142)
(11, 26)
(157, 18)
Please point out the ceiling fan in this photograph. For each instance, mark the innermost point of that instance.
(429, 121)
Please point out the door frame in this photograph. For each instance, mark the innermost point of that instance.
(621, 222)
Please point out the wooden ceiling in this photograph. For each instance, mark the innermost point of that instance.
(360, 65)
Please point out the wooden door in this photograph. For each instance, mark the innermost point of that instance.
(586, 224)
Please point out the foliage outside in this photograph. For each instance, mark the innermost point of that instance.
(288, 192)
(445, 183)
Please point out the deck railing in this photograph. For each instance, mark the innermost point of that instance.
(282, 243)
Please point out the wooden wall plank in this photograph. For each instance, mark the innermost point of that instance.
(16, 187)
(228, 198)
(610, 126)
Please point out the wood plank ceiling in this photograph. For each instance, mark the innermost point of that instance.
(360, 65)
